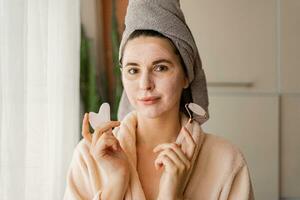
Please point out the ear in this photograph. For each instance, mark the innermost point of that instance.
(186, 82)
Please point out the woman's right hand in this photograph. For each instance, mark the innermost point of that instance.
(106, 150)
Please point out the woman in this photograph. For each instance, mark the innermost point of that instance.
(155, 152)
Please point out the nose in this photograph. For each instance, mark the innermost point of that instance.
(146, 82)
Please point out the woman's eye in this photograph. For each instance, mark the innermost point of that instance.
(160, 68)
(132, 71)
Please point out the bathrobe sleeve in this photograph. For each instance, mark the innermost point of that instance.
(83, 180)
(238, 185)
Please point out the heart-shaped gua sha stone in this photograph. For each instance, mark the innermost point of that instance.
(96, 119)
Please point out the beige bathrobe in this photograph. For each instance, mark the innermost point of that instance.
(219, 170)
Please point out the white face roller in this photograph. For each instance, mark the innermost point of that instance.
(101, 117)
(195, 108)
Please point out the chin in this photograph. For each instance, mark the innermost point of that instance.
(151, 112)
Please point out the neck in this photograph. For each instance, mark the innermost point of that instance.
(154, 131)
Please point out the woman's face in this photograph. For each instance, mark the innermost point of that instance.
(152, 76)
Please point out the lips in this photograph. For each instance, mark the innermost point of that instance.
(149, 100)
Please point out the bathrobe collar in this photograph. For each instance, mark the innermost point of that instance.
(126, 134)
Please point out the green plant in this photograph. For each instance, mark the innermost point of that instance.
(90, 97)
(116, 66)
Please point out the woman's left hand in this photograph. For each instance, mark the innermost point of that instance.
(176, 163)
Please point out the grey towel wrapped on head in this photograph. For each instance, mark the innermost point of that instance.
(166, 17)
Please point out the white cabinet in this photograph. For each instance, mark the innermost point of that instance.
(290, 146)
(237, 42)
(290, 46)
(251, 123)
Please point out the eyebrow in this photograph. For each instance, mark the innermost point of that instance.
(153, 63)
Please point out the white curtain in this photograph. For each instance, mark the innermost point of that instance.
(39, 96)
